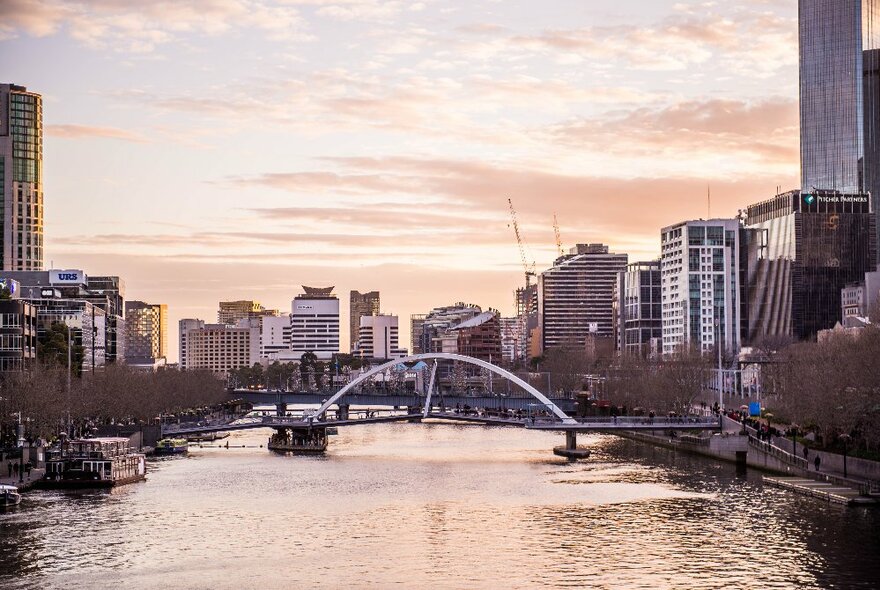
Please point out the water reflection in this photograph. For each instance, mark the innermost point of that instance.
(440, 506)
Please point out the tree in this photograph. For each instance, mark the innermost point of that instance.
(52, 348)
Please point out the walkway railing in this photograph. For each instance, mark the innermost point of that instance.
(779, 453)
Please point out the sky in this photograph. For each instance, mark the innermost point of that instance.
(209, 150)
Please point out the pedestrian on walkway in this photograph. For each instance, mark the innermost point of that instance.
(817, 461)
(806, 453)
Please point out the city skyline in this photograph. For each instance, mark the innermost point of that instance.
(412, 123)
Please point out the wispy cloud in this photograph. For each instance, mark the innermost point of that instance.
(90, 131)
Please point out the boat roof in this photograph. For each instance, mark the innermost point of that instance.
(6, 488)
(104, 439)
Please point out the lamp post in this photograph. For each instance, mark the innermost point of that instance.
(718, 347)
(21, 449)
(794, 433)
(845, 438)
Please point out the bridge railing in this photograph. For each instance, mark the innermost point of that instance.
(647, 420)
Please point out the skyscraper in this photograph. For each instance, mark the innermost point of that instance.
(638, 308)
(232, 311)
(146, 332)
(575, 296)
(184, 327)
(378, 337)
(21, 178)
(360, 304)
(806, 247)
(315, 322)
(840, 96)
(700, 285)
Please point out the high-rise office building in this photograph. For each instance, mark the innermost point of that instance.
(416, 328)
(638, 309)
(105, 293)
(808, 247)
(700, 285)
(18, 335)
(378, 338)
(437, 323)
(526, 302)
(360, 304)
(315, 322)
(146, 332)
(840, 96)
(220, 348)
(21, 178)
(230, 312)
(479, 337)
(575, 296)
(275, 335)
(184, 326)
(513, 348)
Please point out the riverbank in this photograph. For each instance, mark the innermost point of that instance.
(745, 450)
(27, 482)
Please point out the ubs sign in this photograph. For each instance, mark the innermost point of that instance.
(66, 277)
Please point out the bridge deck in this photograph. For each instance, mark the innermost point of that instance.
(593, 424)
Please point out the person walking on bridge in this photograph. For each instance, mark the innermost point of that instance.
(817, 461)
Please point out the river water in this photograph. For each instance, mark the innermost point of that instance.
(438, 506)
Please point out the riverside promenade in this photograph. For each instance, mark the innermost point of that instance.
(774, 456)
(28, 482)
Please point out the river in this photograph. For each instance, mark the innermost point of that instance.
(438, 506)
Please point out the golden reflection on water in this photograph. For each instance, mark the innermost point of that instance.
(438, 506)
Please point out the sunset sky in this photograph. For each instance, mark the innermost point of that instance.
(236, 149)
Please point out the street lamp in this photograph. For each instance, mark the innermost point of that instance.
(845, 438)
(794, 433)
(21, 450)
(718, 348)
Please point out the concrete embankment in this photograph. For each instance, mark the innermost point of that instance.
(747, 451)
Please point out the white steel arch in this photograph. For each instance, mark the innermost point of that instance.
(450, 357)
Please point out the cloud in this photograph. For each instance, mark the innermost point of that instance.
(681, 41)
(596, 207)
(142, 26)
(88, 131)
(763, 133)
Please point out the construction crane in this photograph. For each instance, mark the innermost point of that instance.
(558, 239)
(529, 270)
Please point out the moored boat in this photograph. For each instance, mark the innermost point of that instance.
(171, 446)
(299, 440)
(9, 496)
(94, 463)
(207, 437)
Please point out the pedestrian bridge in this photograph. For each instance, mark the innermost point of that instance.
(306, 420)
(541, 413)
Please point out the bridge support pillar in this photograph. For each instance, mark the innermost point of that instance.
(281, 409)
(414, 410)
(342, 413)
(571, 451)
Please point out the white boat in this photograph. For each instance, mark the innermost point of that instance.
(9, 496)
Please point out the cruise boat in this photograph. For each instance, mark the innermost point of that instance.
(9, 496)
(93, 463)
(298, 440)
(171, 446)
(207, 437)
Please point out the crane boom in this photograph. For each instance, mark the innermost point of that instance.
(556, 232)
(529, 271)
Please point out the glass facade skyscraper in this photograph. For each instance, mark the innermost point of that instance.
(806, 247)
(840, 96)
(21, 178)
